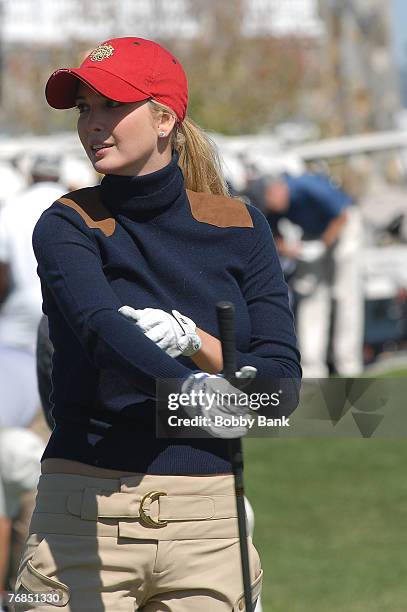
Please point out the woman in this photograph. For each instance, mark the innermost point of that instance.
(123, 520)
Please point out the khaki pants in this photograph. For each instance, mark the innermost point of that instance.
(140, 542)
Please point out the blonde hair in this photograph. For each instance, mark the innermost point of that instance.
(198, 157)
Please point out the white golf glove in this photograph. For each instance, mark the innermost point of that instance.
(225, 409)
(173, 333)
(311, 250)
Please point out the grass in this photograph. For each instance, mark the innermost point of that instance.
(395, 374)
(330, 523)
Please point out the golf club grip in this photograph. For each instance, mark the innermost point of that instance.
(226, 321)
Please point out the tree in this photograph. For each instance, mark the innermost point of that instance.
(27, 69)
(356, 89)
(239, 84)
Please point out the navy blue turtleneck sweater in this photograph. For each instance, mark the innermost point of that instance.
(139, 241)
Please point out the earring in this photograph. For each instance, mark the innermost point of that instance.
(162, 134)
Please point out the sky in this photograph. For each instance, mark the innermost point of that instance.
(399, 22)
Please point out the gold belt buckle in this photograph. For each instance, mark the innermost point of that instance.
(145, 512)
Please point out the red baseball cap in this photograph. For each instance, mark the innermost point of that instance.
(125, 70)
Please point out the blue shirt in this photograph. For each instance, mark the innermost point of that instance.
(149, 247)
(314, 202)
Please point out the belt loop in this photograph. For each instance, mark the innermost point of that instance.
(89, 507)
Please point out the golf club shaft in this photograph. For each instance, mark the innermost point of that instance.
(226, 321)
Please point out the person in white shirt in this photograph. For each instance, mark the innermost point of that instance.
(20, 293)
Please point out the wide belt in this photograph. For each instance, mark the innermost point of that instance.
(144, 506)
(155, 509)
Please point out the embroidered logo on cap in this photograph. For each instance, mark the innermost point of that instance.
(101, 52)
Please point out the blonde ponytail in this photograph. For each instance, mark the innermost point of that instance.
(198, 156)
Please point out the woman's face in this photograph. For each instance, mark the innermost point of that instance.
(120, 138)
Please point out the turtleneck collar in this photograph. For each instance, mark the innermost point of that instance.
(134, 195)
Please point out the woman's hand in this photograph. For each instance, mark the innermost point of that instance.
(173, 333)
(165, 330)
(223, 410)
(160, 327)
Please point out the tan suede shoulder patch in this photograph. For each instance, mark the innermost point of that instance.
(218, 210)
(88, 204)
